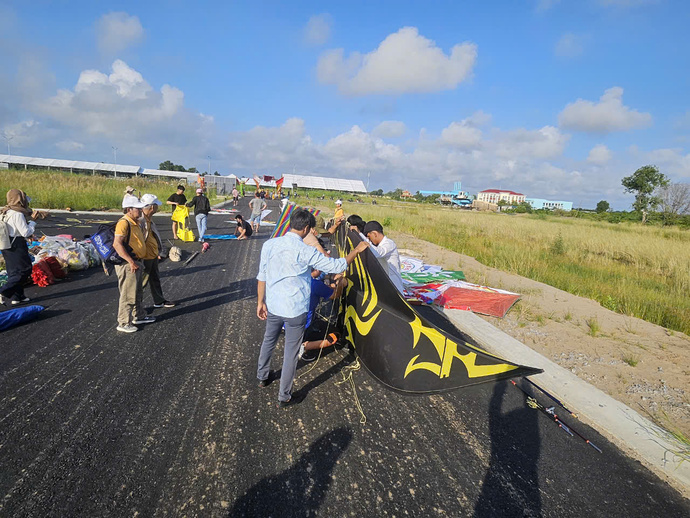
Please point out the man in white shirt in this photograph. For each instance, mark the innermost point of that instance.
(387, 250)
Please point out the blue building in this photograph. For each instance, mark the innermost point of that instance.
(538, 203)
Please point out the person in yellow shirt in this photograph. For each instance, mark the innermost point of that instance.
(130, 245)
(154, 246)
(339, 213)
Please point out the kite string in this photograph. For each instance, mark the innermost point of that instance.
(348, 375)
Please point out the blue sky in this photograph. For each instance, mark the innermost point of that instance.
(556, 99)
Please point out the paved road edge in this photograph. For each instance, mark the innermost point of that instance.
(624, 425)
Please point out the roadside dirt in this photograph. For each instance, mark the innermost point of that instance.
(643, 365)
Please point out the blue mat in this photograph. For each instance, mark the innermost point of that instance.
(220, 236)
(14, 317)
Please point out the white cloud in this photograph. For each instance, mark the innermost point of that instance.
(390, 129)
(608, 115)
(123, 108)
(20, 134)
(570, 45)
(117, 31)
(318, 29)
(461, 135)
(671, 161)
(599, 154)
(69, 145)
(545, 143)
(404, 62)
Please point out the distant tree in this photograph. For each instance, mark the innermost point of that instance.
(169, 166)
(675, 200)
(603, 206)
(642, 183)
(377, 192)
(394, 194)
(216, 173)
(502, 203)
(192, 170)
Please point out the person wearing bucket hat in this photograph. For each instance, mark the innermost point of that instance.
(339, 213)
(130, 245)
(154, 249)
(17, 259)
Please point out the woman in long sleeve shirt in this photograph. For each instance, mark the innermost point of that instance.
(17, 259)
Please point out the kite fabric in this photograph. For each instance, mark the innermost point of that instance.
(14, 317)
(220, 236)
(400, 348)
(479, 299)
(283, 224)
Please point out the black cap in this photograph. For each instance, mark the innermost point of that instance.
(371, 226)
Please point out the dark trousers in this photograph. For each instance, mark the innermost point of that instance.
(152, 277)
(18, 263)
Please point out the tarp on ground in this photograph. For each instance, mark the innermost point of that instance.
(400, 348)
(16, 316)
(479, 299)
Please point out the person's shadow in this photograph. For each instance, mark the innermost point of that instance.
(299, 490)
(511, 484)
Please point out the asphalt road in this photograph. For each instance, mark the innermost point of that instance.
(170, 421)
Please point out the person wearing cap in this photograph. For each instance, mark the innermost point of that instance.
(175, 199)
(129, 190)
(312, 239)
(284, 289)
(339, 213)
(17, 259)
(387, 250)
(202, 206)
(154, 246)
(130, 245)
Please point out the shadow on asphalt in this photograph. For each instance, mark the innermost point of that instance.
(300, 489)
(237, 290)
(511, 484)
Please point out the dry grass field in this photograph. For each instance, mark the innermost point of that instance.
(642, 271)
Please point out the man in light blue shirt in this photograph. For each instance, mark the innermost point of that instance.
(284, 288)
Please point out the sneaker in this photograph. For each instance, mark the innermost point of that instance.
(310, 356)
(144, 320)
(166, 304)
(3, 300)
(127, 328)
(302, 350)
(21, 301)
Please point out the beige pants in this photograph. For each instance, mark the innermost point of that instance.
(131, 293)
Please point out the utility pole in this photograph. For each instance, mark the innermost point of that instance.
(115, 157)
(8, 139)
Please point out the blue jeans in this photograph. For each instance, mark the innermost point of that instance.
(294, 332)
(201, 224)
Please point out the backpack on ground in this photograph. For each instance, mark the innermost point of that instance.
(103, 240)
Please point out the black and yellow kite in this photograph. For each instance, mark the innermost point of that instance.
(400, 348)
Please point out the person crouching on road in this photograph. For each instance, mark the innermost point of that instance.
(129, 243)
(154, 246)
(17, 258)
(284, 288)
(201, 209)
(244, 229)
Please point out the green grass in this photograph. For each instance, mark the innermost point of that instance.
(593, 325)
(631, 359)
(60, 190)
(629, 268)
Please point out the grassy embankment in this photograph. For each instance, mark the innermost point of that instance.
(630, 268)
(59, 190)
